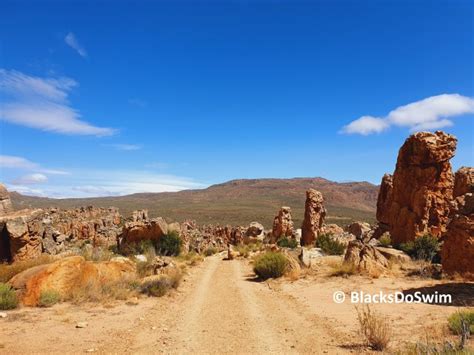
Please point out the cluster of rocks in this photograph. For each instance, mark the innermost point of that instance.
(28, 233)
(423, 196)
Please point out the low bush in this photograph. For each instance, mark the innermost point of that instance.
(286, 242)
(7, 271)
(425, 247)
(192, 258)
(374, 328)
(270, 265)
(329, 245)
(454, 321)
(138, 248)
(160, 286)
(210, 251)
(385, 240)
(103, 291)
(169, 244)
(48, 298)
(8, 297)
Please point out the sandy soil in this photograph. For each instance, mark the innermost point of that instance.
(220, 308)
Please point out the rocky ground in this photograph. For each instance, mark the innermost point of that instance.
(220, 308)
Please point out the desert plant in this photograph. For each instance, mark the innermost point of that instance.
(425, 247)
(270, 265)
(374, 328)
(286, 242)
(7, 271)
(455, 321)
(96, 254)
(169, 244)
(210, 251)
(48, 298)
(103, 291)
(344, 269)
(385, 240)
(8, 297)
(329, 245)
(158, 287)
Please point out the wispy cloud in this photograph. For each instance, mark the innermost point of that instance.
(427, 114)
(72, 42)
(42, 103)
(30, 179)
(125, 147)
(14, 162)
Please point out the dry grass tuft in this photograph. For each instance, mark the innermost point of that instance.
(374, 328)
(97, 291)
(342, 269)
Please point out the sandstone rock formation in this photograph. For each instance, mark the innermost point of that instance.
(358, 229)
(366, 258)
(5, 202)
(27, 233)
(254, 233)
(282, 224)
(332, 229)
(142, 230)
(314, 215)
(416, 200)
(68, 275)
(463, 181)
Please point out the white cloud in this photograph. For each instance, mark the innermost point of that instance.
(72, 42)
(31, 179)
(13, 162)
(427, 114)
(125, 147)
(42, 103)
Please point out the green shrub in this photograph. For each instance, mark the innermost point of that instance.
(169, 244)
(48, 298)
(385, 240)
(426, 247)
(286, 242)
(210, 251)
(270, 265)
(8, 298)
(454, 321)
(329, 245)
(137, 248)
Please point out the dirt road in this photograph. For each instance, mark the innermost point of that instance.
(219, 308)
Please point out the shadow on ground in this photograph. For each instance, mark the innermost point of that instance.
(462, 293)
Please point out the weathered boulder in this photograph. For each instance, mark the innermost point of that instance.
(457, 253)
(135, 232)
(463, 181)
(5, 202)
(332, 229)
(417, 199)
(358, 229)
(254, 233)
(67, 275)
(314, 215)
(366, 258)
(282, 224)
(140, 216)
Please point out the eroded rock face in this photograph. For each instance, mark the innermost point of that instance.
(254, 233)
(314, 215)
(463, 181)
(366, 257)
(67, 275)
(283, 224)
(457, 254)
(417, 199)
(142, 230)
(5, 202)
(27, 233)
(358, 229)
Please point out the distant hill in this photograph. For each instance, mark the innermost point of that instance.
(237, 202)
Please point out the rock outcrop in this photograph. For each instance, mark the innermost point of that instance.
(5, 202)
(314, 215)
(416, 200)
(463, 181)
(254, 233)
(27, 233)
(366, 257)
(282, 224)
(358, 229)
(139, 230)
(68, 275)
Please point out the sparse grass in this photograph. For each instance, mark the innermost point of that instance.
(49, 298)
(343, 269)
(97, 254)
(286, 242)
(244, 250)
(97, 291)
(210, 251)
(425, 247)
(8, 297)
(454, 321)
(385, 240)
(329, 245)
(7, 271)
(374, 327)
(447, 348)
(192, 258)
(138, 248)
(270, 265)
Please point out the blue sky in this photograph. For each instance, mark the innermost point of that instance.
(112, 97)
